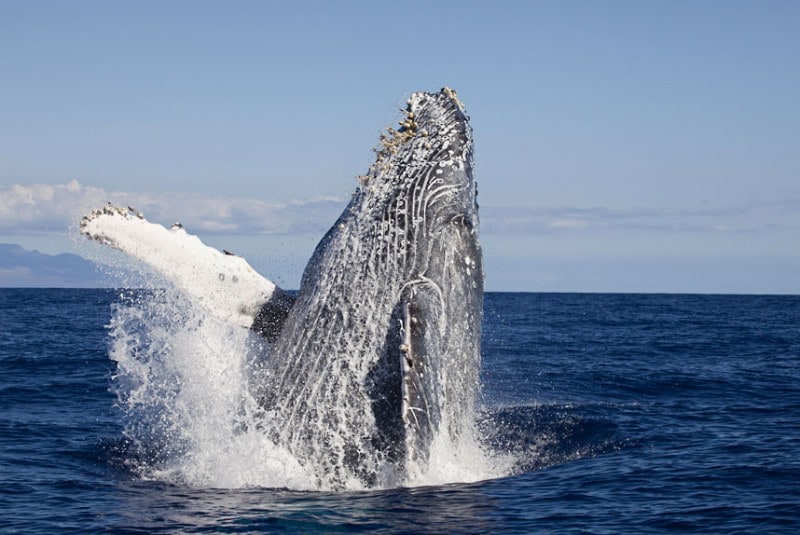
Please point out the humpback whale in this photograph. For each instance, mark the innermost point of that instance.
(376, 357)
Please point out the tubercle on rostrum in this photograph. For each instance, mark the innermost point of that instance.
(392, 140)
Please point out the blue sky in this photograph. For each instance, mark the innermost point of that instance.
(620, 146)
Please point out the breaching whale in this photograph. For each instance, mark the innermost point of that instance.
(376, 358)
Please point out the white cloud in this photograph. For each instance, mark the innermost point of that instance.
(42, 206)
(567, 223)
(38, 208)
(746, 218)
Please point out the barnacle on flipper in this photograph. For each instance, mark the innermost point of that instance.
(108, 210)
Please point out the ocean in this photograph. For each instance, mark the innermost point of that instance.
(613, 413)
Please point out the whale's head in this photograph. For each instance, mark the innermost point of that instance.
(423, 169)
(421, 198)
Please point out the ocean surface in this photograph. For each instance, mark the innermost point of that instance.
(621, 414)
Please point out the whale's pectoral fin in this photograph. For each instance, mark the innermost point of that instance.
(421, 384)
(225, 284)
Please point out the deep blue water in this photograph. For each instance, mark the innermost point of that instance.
(628, 413)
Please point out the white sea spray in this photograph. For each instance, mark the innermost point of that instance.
(183, 382)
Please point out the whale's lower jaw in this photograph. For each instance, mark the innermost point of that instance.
(379, 355)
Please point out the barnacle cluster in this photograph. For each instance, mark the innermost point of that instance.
(392, 140)
(110, 209)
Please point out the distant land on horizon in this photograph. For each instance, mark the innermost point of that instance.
(21, 268)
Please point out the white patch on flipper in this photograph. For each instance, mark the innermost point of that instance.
(226, 285)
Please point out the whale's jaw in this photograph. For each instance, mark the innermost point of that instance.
(379, 355)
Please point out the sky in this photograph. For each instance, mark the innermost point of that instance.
(620, 146)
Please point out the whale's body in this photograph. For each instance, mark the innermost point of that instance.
(377, 357)
(381, 349)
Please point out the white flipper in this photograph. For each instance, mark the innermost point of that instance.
(225, 284)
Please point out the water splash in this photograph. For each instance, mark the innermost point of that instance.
(184, 385)
(373, 377)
